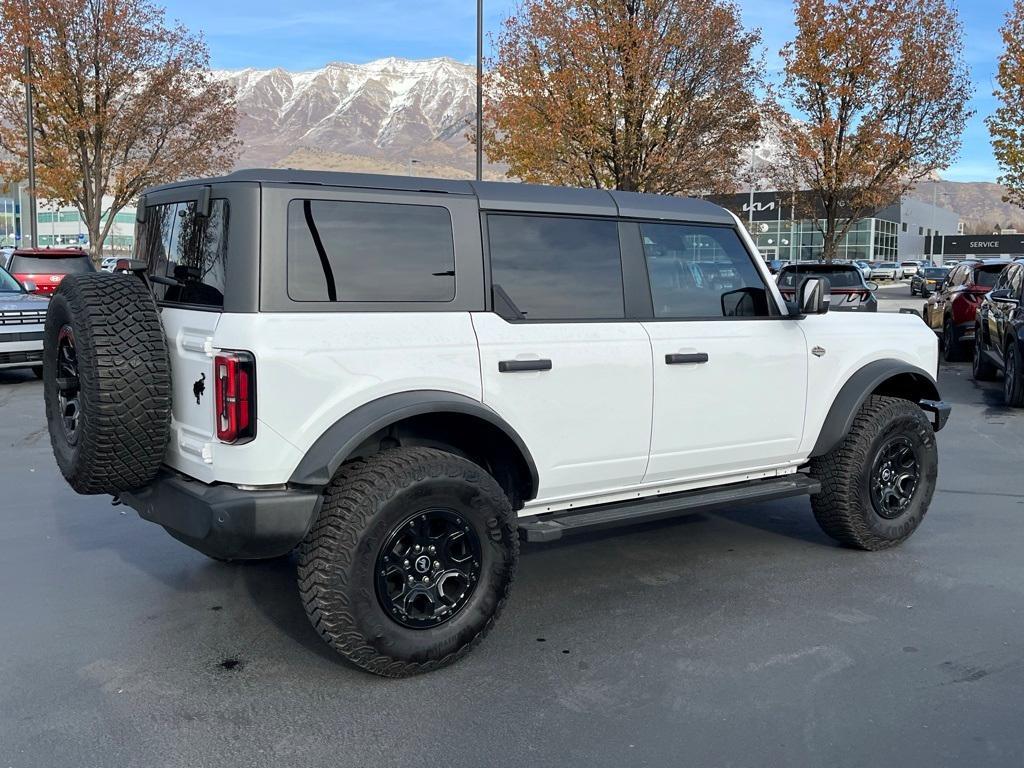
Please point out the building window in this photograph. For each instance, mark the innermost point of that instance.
(904, 226)
(920, 230)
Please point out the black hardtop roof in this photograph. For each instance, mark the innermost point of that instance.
(493, 195)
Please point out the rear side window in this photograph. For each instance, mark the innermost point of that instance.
(557, 267)
(34, 265)
(837, 277)
(186, 252)
(357, 251)
(701, 272)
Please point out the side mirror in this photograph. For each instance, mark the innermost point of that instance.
(872, 286)
(29, 286)
(1003, 294)
(813, 296)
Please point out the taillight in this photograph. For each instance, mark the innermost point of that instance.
(235, 381)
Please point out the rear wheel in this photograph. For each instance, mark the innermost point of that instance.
(952, 347)
(981, 367)
(877, 484)
(410, 560)
(1013, 380)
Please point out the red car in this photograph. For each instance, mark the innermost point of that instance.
(951, 309)
(46, 267)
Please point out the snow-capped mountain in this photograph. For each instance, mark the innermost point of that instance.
(391, 110)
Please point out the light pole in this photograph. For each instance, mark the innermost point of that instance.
(750, 212)
(30, 128)
(479, 89)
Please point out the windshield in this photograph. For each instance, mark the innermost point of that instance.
(838, 277)
(889, 265)
(7, 283)
(936, 272)
(45, 265)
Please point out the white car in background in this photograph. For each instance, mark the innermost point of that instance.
(864, 267)
(910, 268)
(107, 263)
(888, 270)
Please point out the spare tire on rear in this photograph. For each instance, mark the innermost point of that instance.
(107, 382)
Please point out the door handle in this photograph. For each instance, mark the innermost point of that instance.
(680, 358)
(513, 366)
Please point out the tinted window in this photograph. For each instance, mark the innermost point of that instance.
(36, 265)
(347, 251)
(936, 273)
(557, 268)
(838, 277)
(186, 252)
(700, 271)
(986, 277)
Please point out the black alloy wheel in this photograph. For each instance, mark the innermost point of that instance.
(428, 568)
(67, 384)
(894, 476)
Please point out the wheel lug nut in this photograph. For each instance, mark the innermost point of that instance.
(437, 564)
(405, 563)
(425, 579)
(411, 579)
(417, 548)
(432, 548)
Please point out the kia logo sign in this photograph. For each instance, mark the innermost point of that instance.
(760, 206)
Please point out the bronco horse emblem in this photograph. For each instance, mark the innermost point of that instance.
(199, 387)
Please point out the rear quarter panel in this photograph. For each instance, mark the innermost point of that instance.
(314, 368)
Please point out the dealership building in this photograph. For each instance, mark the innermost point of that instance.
(784, 227)
(958, 247)
(57, 226)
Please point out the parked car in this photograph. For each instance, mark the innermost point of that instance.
(999, 334)
(910, 268)
(951, 310)
(22, 316)
(927, 281)
(887, 270)
(848, 289)
(107, 263)
(589, 358)
(865, 268)
(46, 267)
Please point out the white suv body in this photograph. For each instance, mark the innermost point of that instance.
(603, 356)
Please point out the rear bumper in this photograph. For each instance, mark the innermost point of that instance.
(939, 410)
(224, 521)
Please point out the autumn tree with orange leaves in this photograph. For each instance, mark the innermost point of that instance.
(122, 101)
(879, 89)
(644, 95)
(1006, 124)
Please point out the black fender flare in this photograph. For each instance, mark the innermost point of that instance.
(338, 442)
(858, 388)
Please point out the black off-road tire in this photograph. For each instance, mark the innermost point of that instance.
(123, 382)
(844, 509)
(338, 559)
(1013, 376)
(982, 368)
(952, 346)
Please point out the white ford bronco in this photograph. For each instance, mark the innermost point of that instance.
(402, 377)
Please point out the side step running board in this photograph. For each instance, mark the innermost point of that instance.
(550, 527)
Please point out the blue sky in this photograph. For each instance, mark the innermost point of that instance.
(305, 34)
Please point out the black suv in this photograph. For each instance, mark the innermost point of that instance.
(849, 291)
(999, 334)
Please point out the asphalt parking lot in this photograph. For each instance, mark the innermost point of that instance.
(741, 638)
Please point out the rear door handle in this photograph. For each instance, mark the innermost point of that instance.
(680, 358)
(513, 366)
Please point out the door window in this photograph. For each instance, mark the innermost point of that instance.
(557, 267)
(701, 272)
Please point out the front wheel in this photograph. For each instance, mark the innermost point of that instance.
(981, 367)
(1013, 377)
(876, 485)
(410, 560)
